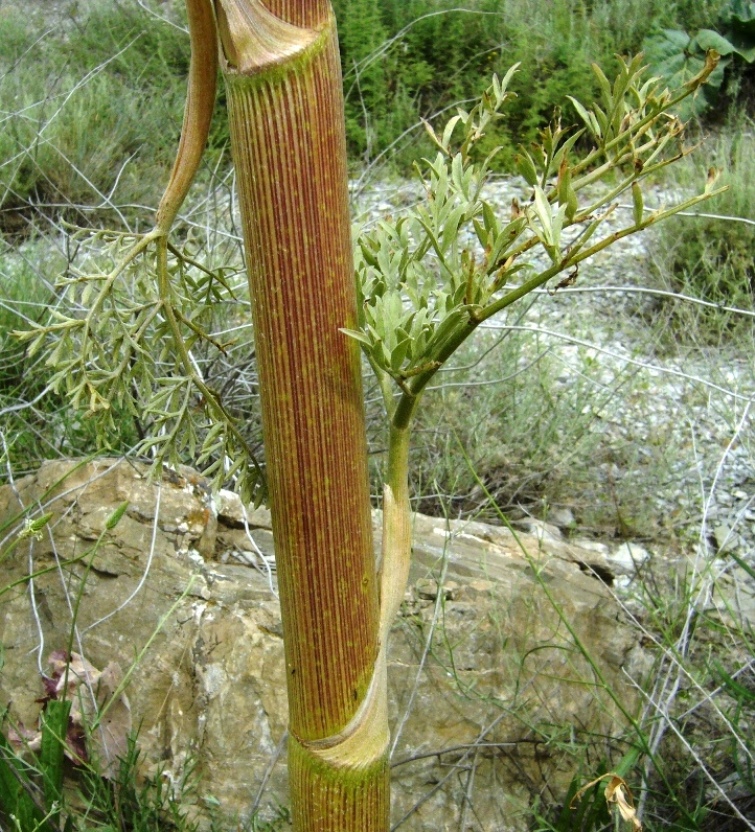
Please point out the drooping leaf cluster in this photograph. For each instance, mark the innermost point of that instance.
(130, 338)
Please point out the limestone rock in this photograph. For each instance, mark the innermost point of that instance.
(508, 653)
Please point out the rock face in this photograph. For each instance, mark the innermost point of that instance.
(508, 664)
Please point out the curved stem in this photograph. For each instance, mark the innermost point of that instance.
(397, 530)
(200, 101)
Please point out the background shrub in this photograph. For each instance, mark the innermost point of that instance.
(679, 54)
(93, 104)
(710, 257)
(429, 54)
(88, 107)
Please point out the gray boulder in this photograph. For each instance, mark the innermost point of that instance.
(509, 664)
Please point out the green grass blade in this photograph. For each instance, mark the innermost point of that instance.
(15, 790)
(54, 727)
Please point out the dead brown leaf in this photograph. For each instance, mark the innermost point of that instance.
(618, 793)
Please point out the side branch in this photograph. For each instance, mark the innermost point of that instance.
(200, 101)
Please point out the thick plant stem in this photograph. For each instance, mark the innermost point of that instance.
(284, 90)
(331, 799)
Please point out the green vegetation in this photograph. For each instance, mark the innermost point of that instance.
(25, 299)
(91, 121)
(710, 257)
(678, 55)
(34, 797)
(67, 152)
(92, 98)
(439, 56)
(408, 58)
